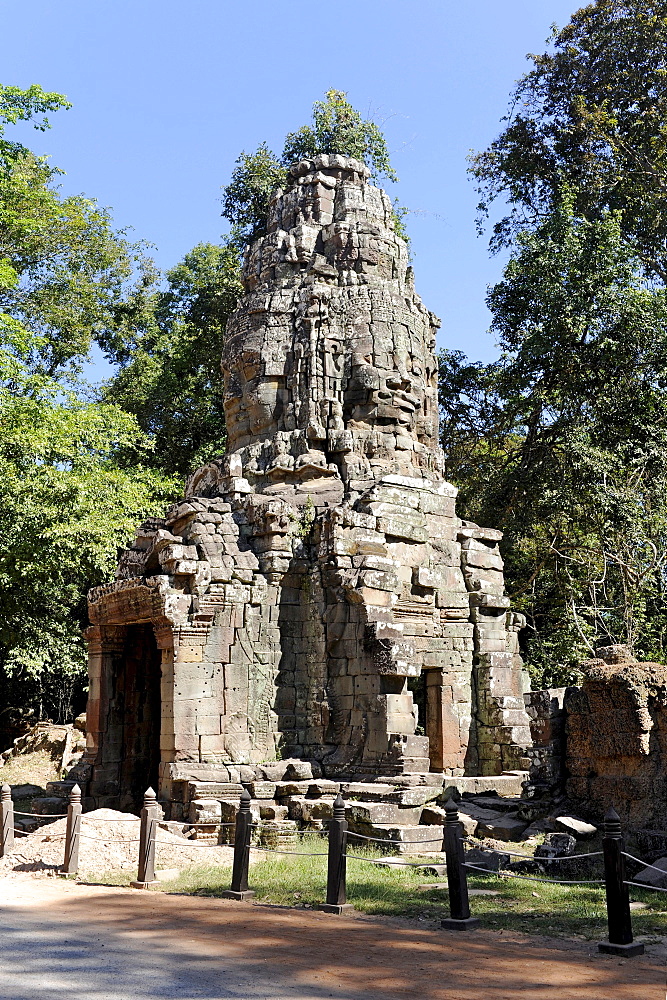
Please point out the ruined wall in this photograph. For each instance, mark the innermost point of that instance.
(320, 563)
(616, 739)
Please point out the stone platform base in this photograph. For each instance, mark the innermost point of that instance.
(239, 896)
(452, 924)
(335, 907)
(626, 950)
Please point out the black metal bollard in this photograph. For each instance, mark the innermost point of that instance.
(618, 898)
(337, 861)
(147, 837)
(6, 821)
(73, 832)
(239, 889)
(457, 882)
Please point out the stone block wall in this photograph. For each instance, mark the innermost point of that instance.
(546, 711)
(616, 738)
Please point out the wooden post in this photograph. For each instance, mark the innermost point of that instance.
(618, 898)
(242, 834)
(337, 861)
(459, 907)
(73, 832)
(6, 821)
(147, 837)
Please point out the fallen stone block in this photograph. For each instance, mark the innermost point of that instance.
(577, 827)
(435, 816)
(507, 827)
(649, 876)
(49, 806)
(490, 861)
(556, 845)
(205, 811)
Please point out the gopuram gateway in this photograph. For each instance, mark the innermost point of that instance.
(317, 574)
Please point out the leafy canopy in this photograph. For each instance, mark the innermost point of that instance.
(67, 499)
(169, 376)
(63, 269)
(590, 115)
(337, 128)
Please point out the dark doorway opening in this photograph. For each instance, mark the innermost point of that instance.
(137, 711)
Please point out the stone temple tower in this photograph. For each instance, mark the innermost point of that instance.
(317, 572)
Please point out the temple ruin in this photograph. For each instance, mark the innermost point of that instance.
(315, 580)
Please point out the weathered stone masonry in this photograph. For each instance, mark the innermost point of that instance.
(282, 606)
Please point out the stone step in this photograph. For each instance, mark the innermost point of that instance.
(59, 789)
(363, 814)
(496, 802)
(214, 790)
(507, 783)
(404, 838)
(314, 788)
(367, 791)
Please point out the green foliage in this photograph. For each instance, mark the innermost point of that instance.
(63, 269)
(572, 440)
(169, 377)
(565, 444)
(591, 114)
(246, 198)
(337, 128)
(66, 499)
(65, 506)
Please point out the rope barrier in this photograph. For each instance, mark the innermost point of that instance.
(296, 854)
(189, 843)
(203, 824)
(392, 864)
(130, 819)
(107, 840)
(639, 885)
(41, 815)
(534, 878)
(640, 862)
(530, 857)
(380, 840)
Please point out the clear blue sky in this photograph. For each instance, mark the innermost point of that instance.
(167, 94)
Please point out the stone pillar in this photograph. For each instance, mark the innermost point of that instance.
(106, 644)
(447, 722)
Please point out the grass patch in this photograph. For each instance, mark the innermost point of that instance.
(34, 768)
(532, 907)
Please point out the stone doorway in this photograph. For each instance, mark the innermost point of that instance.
(135, 714)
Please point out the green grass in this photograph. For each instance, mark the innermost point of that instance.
(532, 907)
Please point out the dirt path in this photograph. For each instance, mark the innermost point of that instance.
(64, 940)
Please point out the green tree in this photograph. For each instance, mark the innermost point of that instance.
(337, 128)
(575, 452)
(65, 506)
(66, 498)
(65, 268)
(169, 376)
(568, 453)
(591, 115)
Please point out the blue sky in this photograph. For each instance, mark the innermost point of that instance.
(167, 94)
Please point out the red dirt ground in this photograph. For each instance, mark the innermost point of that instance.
(351, 957)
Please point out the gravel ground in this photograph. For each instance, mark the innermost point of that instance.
(109, 841)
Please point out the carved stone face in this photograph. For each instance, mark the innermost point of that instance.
(251, 399)
(391, 397)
